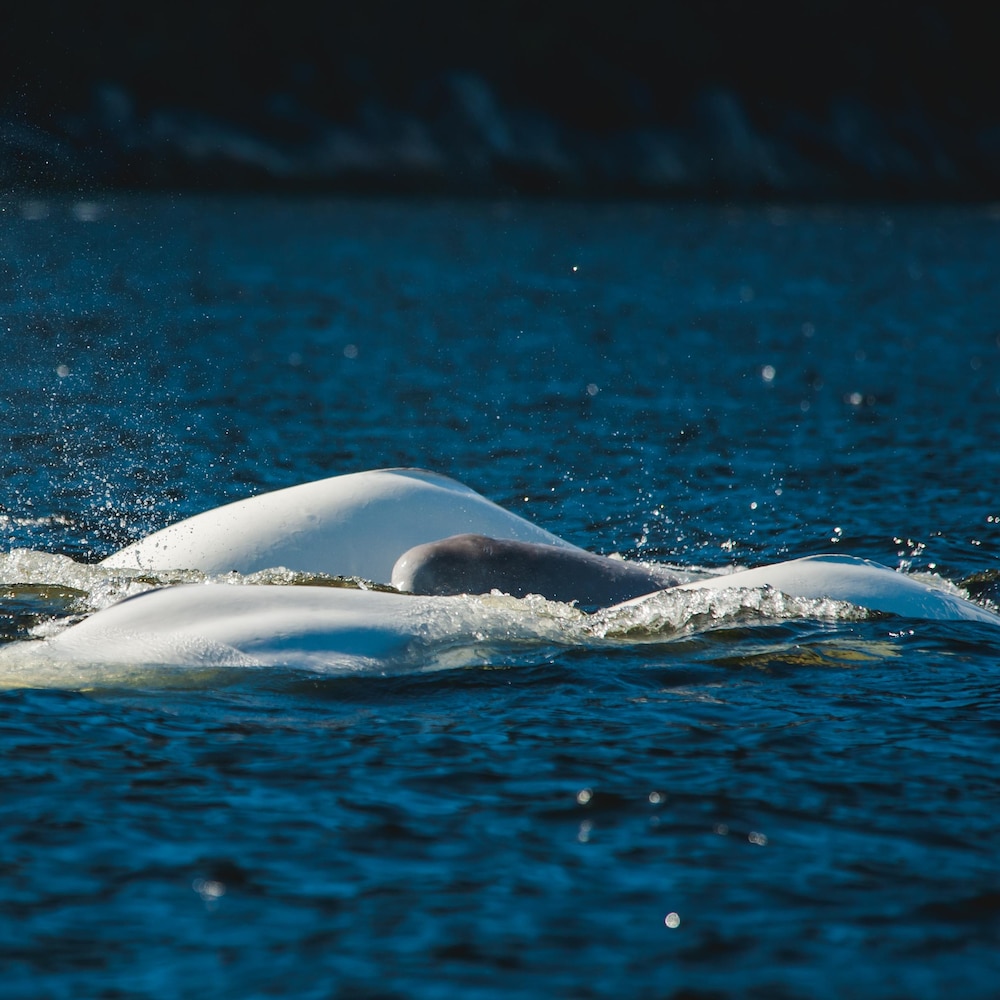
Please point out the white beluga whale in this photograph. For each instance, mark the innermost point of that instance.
(317, 628)
(352, 525)
(400, 525)
(851, 580)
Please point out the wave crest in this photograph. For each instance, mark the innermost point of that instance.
(670, 613)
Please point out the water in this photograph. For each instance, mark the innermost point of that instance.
(771, 808)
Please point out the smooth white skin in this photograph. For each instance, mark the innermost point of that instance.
(323, 629)
(353, 525)
(251, 626)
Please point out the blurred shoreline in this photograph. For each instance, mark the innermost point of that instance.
(717, 101)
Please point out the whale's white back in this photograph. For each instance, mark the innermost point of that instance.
(351, 525)
(328, 630)
(857, 581)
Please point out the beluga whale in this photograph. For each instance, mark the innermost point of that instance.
(443, 552)
(357, 524)
(478, 564)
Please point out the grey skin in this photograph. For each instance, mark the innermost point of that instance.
(476, 564)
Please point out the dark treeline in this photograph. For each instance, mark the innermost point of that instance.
(718, 97)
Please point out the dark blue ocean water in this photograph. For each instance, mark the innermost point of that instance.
(782, 809)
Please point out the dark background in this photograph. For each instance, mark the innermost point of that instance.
(710, 99)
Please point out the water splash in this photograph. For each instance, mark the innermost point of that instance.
(672, 613)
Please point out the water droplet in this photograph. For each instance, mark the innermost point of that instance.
(209, 889)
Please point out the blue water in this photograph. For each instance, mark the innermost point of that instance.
(772, 809)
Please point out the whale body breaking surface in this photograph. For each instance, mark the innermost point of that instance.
(477, 564)
(357, 524)
(471, 562)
